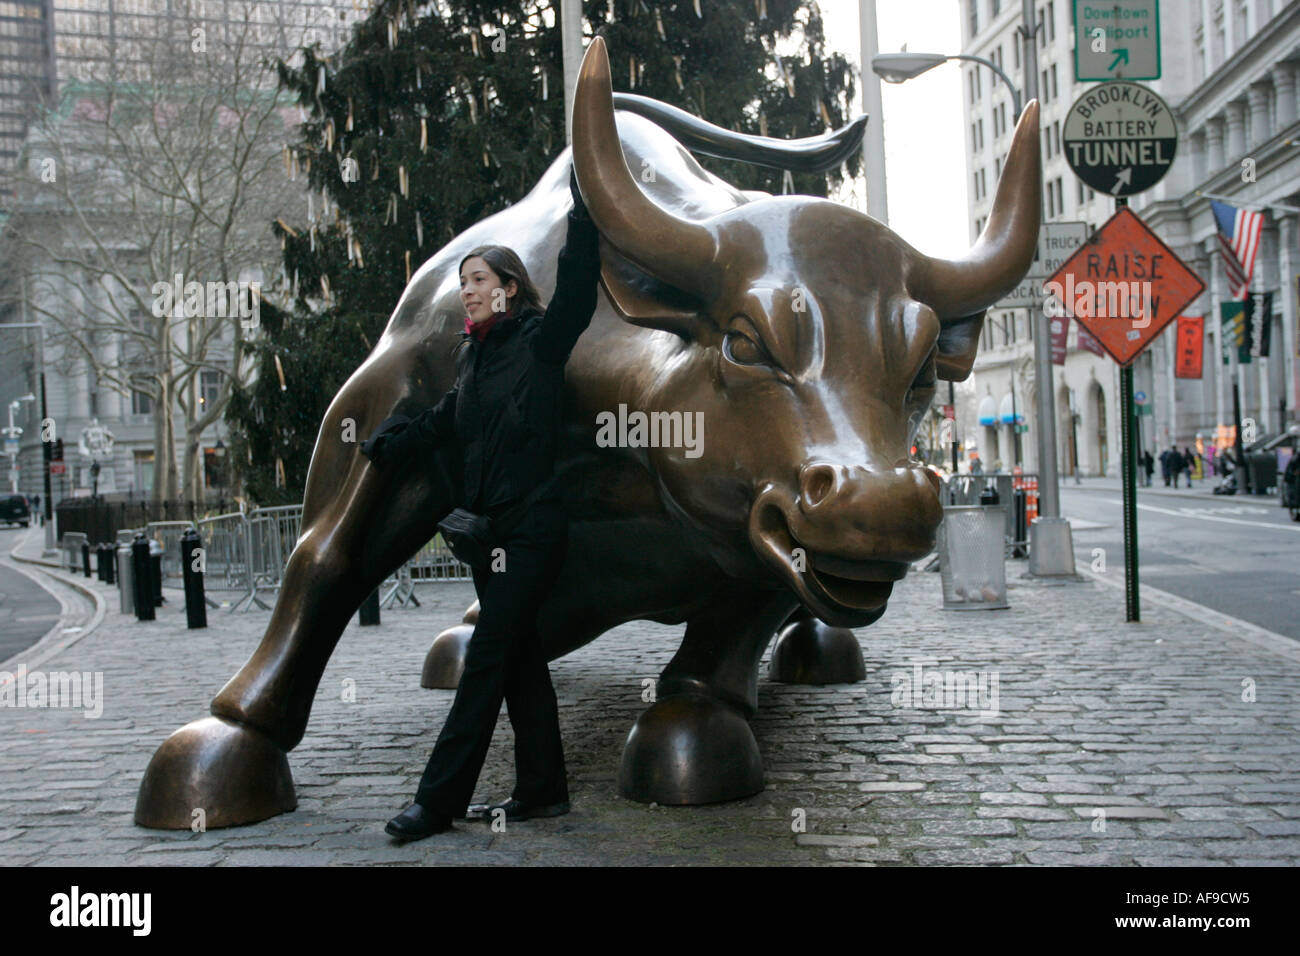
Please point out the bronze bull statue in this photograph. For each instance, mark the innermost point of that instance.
(805, 336)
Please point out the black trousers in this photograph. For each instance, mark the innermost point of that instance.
(504, 660)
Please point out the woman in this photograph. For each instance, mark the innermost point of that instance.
(503, 415)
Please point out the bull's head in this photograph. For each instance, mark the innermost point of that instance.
(812, 337)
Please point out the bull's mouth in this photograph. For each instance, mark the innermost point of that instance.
(843, 592)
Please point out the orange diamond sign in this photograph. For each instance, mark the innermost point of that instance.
(1123, 285)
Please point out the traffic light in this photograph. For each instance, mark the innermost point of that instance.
(58, 450)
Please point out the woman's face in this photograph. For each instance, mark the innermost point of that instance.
(481, 290)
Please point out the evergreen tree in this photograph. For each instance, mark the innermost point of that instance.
(436, 116)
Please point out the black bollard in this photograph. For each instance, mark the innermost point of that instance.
(85, 558)
(196, 609)
(99, 562)
(110, 563)
(141, 574)
(370, 609)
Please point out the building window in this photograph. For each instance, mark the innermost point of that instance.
(1051, 21)
(1042, 30)
(209, 389)
(1047, 143)
(976, 179)
(997, 169)
(997, 7)
(1056, 132)
(143, 461)
(1015, 53)
(970, 84)
(1044, 89)
(1078, 189)
(1051, 207)
(1060, 196)
(1198, 62)
(1055, 92)
(981, 127)
(974, 139)
(141, 402)
(974, 17)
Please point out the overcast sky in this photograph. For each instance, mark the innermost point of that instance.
(924, 160)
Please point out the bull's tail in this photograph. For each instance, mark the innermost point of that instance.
(813, 154)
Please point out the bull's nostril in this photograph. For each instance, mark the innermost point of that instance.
(818, 482)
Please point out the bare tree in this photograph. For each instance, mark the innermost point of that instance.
(146, 181)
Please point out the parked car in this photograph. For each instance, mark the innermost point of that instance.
(15, 510)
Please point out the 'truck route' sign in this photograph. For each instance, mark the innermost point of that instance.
(1124, 285)
(1116, 40)
(1120, 138)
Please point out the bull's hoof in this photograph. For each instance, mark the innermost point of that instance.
(213, 773)
(689, 749)
(445, 661)
(809, 651)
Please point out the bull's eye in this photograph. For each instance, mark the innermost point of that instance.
(741, 349)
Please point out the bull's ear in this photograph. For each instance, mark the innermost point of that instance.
(643, 300)
(959, 340)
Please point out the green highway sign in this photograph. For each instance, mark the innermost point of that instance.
(1116, 40)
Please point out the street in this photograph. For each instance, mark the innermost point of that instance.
(27, 610)
(1239, 555)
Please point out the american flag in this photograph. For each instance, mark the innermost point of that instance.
(1239, 231)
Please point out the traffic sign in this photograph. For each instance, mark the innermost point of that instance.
(1139, 398)
(11, 446)
(1124, 286)
(1116, 40)
(1056, 243)
(1120, 138)
(58, 468)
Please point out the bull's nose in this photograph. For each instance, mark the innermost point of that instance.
(825, 486)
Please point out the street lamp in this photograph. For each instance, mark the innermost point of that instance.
(901, 67)
(12, 434)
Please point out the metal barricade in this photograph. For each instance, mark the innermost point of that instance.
(168, 535)
(70, 544)
(272, 536)
(966, 489)
(226, 556)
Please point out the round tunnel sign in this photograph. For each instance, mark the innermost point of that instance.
(1119, 138)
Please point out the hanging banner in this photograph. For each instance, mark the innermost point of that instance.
(1259, 323)
(1060, 326)
(1189, 346)
(1089, 341)
(1233, 319)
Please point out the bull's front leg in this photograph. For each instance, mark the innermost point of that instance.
(694, 744)
(359, 524)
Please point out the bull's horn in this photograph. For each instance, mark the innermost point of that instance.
(1002, 254)
(674, 250)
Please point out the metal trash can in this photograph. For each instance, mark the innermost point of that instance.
(972, 557)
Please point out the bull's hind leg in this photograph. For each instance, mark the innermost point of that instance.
(359, 524)
(694, 744)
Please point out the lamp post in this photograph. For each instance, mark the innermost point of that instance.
(12, 434)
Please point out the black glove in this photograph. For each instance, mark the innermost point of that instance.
(374, 446)
(579, 207)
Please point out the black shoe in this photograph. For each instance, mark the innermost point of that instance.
(416, 823)
(515, 810)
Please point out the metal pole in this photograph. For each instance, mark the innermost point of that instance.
(571, 47)
(1132, 612)
(952, 403)
(1049, 502)
(1128, 472)
(873, 144)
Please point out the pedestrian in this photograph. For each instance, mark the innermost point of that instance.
(36, 508)
(1148, 466)
(1192, 464)
(507, 440)
(1168, 462)
(976, 466)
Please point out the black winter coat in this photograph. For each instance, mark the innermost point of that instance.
(504, 411)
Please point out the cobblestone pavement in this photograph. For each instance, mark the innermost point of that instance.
(1173, 741)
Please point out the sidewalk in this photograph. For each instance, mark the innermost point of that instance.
(1200, 489)
(1173, 741)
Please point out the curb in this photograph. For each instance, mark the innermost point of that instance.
(54, 640)
(1263, 638)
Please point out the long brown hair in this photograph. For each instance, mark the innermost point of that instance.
(505, 262)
